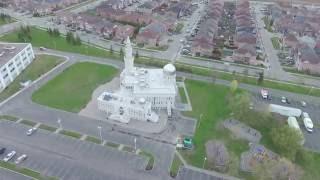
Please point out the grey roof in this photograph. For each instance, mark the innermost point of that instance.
(9, 50)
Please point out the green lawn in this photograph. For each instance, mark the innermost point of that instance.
(150, 159)
(93, 139)
(8, 117)
(5, 21)
(183, 95)
(72, 89)
(25, 171)
(175, 166)
(40, 38)
(213, 106)
(71, 134)
(39, 66)
(47, 128)
(28, 123)
(113, 145)
(275, 43)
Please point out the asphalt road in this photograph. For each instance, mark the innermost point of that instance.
(9, 175)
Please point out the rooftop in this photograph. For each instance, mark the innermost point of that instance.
(9, 50)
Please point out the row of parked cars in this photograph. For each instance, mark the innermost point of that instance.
(11, 155)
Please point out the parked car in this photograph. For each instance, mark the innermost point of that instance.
(2, 150)
(9, 156)
(21, 158)
(283, 99)
(308, 124)
(31, 131)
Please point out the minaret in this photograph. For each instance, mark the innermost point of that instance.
(128, 58)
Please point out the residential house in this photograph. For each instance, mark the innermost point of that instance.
(154, 34)
(123, 31)
(202, 46)
(308, 60)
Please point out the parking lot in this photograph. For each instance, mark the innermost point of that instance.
(68, 158)
(9, 175)
(312, 109)
(188, 174)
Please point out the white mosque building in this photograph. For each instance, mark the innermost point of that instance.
(141, 92)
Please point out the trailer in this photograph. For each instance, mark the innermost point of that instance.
(284, 110)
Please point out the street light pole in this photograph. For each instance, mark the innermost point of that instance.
(59, 122)
(135, 144)
(99, 127)
(204, 162)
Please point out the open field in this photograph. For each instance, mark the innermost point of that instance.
(72, 89)
(39, 66)
(40, 38)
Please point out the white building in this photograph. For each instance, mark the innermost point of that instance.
(155, 87)
(125, 108)
(14, 58)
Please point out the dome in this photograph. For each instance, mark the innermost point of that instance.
(169, 69)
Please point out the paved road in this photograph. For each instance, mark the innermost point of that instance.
(9, 175)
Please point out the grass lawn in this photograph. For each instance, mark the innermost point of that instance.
(39, 66)
(275, 43)
(150, 157)
(113, 145)
(71, 134)
(25, 171)
(72, 89)
(183, 95)
(212, 104)
(267, 24)
(47, 128)
(28, 122)
(40, 38)
(176, 163)
(128, 149)
(5, 21)
(8, 117)
(93, 139)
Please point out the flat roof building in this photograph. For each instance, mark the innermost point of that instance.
(14, 58)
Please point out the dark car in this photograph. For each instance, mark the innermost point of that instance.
(2, 150)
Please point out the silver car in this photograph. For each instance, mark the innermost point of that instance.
(9, 156)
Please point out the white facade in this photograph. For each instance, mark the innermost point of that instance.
(14, 58)
(125, 108)
(156, 88)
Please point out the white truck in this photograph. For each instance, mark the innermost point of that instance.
(293, 123)
(284, 110)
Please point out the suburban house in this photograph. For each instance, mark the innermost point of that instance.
(202, 46)
(123, 31)
(308, 60)
(154, 34)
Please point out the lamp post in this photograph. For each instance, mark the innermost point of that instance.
(135, 144)
(310, 90)
(204, 162)
(100, 132)
(59, 122)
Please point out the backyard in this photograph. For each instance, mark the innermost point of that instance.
(72, 89)
(39, 66)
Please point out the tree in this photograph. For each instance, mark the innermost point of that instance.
(69, 37)
(111, 49)
(56, 32)
(261, 77)
(281, 169)
(121, 52)
(233, 86)
(239, 104)
(287, 140)
(50, 31)
(216, 53)
(77, 40)
(137, 55)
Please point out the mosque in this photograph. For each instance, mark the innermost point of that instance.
(142, 92)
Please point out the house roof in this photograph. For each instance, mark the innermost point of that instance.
(308, 55)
